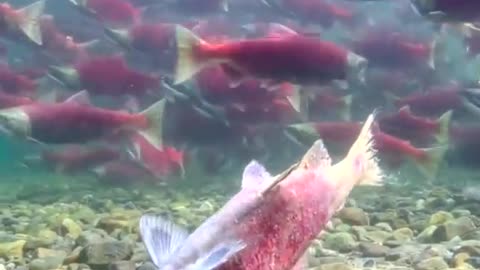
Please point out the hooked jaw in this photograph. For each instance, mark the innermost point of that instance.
(356, 68)
(15, 122)
(119, 36)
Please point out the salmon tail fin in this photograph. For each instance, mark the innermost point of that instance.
(431, 161)
(443, 133)
(119, 36)
(225, 5)
(64, 75)
(187, 65)
(432, 52)
(298, 101)
(390, 99)
(154, 133)
(344, 112)
(363, 156)
(30, 25)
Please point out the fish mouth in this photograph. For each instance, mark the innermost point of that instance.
(472, 95)
(119, 36)
(64, 75)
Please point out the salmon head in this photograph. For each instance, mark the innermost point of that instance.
(14, 121)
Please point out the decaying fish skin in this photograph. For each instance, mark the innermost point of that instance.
(272, 220)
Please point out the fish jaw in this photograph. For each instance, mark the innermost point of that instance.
(16, 121)
(356, 68)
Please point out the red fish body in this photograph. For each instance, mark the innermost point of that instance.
(78, 158)
(14, 83)
(420, 129)
(292, 58)
(112, 12)
(73, 122)
(59, 44)
(271, 222)
(9, 101)
(394, 149)
(162, 163)
(156, 40)
(106, 75)
(389, 49)
(123, 172)
(433, 102)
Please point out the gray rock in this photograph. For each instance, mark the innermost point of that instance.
(46, 263)
(354, 216)
(373, 250)
(93, 236)
(435, 263)
(342, 241)
(147, 266)
(451, 229)
(106, 252)
(122, 265)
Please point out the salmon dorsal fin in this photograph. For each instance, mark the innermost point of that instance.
(80, 98)
(316, 156)
(254, 174)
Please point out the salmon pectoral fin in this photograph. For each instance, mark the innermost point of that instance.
(30, 25)
(161, 237)
(218, 255)
(154, 132)
(187, 63)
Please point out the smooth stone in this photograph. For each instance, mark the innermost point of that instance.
(122, 265)
(105, 252)
(450, 229)
(147, 266)
(354, 216)
(373, 250)
(440, 218)
(426, 236)
(460, 213)
(45, 252)
(334, 266)
(402, 235)
(376, 236)
(78, 266)
(472, 247)
(93, 236)
(343, 242)
(435, 263)
(460, 259)
(46, 263)
(384, 226)
(72, 228)
(12, 249)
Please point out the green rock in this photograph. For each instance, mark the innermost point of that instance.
(106, 252)
(378, 237)
(426, 236)
(435, 263)
(354, 216)
(402, 235)
(72, 228)
(12, 249)
(440, 218)
(334, 266)
(342, 241)
(122, 265)
(453, 228)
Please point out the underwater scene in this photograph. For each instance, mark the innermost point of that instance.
(239, 134)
